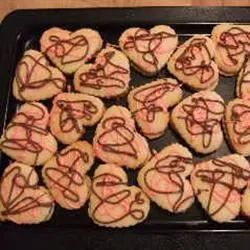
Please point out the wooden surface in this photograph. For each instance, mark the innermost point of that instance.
(7, 6)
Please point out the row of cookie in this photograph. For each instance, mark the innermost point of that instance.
(197, 119)
(219, 184)
(36, 80)
(112, 202)
(149, 51)
(116, 140)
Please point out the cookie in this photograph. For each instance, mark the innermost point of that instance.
(149, 105)
(26, 138)
(117, 141)
(65, 175)
(245, 203)
(198, 120)
(237, 123)
(193, 64)
(231, 47)
(112, 202)
(243, 81)
(217, 184)
(22, 200)
(149, 50)
(70, 50)
(71, 112)
(108, 77)
(164, 178)
(35, 79)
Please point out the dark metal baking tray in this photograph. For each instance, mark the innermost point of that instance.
(22, 29)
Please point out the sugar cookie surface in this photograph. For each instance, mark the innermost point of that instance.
(108, 77)
(217, 184)
(71, 113)
(231, 47)
(149, 50)
(65, 175)
(35, 79)
(26, 138)
(113, 203)
(198, 120)
(70, 50)
(117, 141)
(22, 200)
(193, 64)
(149, 105)
(164, 178)
(243, 81)
(237, 124)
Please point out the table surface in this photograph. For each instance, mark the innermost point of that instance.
(7, 6)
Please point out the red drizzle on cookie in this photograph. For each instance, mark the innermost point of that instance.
(223, 174)
(15, 201)
(196, 60)
(115, 128)
(171, 167)
(25, 73)
(24, 140)
(105, 74)
(148, 97)
(244, 81)
(61, 48)
(67, 173)
(122, 198)
(235, 41)
(240, 117)
(201, 119)
(72, 111)
(147, 43)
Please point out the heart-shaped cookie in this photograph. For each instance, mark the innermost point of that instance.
(149, 104)
(117, 141)
(72, 111)
(108, 77)
(243, 82)
(149, 50)
(21, 199)
(65, 177)
(112, 202)
(198, 120)
(164, 178)
(232, 46)
(69, 50)
(237, 123)
(26, 138)
(217, 184)
(193, 65)
(35, 80)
